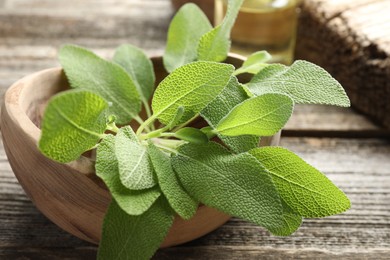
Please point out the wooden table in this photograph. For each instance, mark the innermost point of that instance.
(349, 149)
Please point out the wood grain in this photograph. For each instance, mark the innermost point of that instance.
(362, 231)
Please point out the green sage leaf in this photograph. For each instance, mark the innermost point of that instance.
(134, 237)
(304, 82)
(305, 189)
(185, 30)
(135, 168)
(87, 71)
(262, 116)
(179, 200)
(291, 222)
(231, 96)
(215, 44)
(254, 63)
(191, 86)
(133, 202)
(235, 184)
(192, 135)
(139, 67)
(73, 122)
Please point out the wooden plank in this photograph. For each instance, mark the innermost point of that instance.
(359, 166)
(353, 45)
(330, 121)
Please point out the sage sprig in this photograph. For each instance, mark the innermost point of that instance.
(157, 173)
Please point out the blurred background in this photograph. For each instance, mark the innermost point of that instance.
(349, 38)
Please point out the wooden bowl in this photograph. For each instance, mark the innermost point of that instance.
(70, 194)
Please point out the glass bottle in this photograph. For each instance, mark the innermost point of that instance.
(263, 25)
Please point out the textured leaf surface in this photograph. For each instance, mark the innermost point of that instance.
(215, 44)
(192, 135)
(291, 222)
(235, 184)
(179, 200)
(135, 167)
(139, 67)
(191, 86)
(133, 202)
(85, 70)
(74, 121)
(185, 30)
(134, 237)
(305, 189)
(262, 116)
(217, 109)
(304, 82)
(254, 63)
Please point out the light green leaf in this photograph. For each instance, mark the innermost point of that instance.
(217, 109)
(305, 189)
(139, 67)
(264, 115)
(215, 44)
(235, 184)
(192, 135)
(191, 86)
(134, 237)
(291, 222)
(178, 116)
(74, 121)
(179, 200)
(304, 82)
(254, 63)
(85, 70)
(185, 30)
(135, 168)
(133, 202)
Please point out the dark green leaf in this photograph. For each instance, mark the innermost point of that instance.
(185, 30)
(134, 237)
(85, 70)
(179, 200)
(192, 135)
(139, 67)
(235, 184)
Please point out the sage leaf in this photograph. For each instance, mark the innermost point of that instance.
(231, 96)
(191, 86)
(179, 200)
(192, 135)
(215, 44)
(235, 184)
(254, 63)
(305, 189)
(134, 237)
(178, 116)
(291, 222)
(139, 67)
(304, 82)
(135, 168)
(87, 71)
(73, 122)
(264, 115)
(185, 30)
(133, 202)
